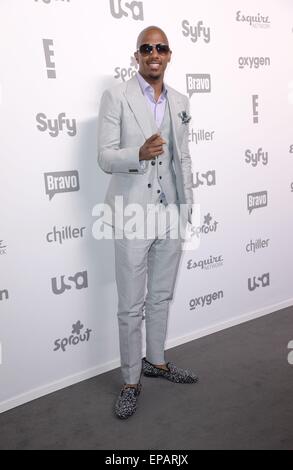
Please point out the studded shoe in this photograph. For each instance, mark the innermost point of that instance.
(174, 374)
(126, 403)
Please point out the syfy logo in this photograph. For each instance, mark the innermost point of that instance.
(255, 158)
(134, 8)
(208, 179)
(126, 73)
(66, 233)
(4, 295)
(253, 62)
(264, 281)
(2, 248)
(207, 264)
(198, 83)
(74, 339)
(207, 226)
(55, 126)
(257, 201)
(49, 54)
(205, 300)
(196, 32)
(201, 136)
(257, 245)
(61, 182)
(258, 21)
(79, 280)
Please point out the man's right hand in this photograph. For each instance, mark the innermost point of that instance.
(153, 147)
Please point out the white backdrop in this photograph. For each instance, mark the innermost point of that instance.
(56, 59)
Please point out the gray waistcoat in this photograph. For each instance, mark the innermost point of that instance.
(162, 174)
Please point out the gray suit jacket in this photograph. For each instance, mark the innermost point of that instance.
(124, 124)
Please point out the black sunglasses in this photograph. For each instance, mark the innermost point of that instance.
(147, 49)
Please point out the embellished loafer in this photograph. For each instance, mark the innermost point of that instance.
(126, 403)
(174, 374)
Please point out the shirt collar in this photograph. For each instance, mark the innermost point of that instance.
(146, 87)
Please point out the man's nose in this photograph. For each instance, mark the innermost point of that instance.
(155, 52)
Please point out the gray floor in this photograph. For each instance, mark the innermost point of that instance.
(243, 401)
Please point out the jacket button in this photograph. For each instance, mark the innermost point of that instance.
(158, 191)
(149, 185)
(160, 163)
(153, 162)
(160, 177)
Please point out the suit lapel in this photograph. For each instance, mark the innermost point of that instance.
(140, 108)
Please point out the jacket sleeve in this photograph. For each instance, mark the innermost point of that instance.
(186, 164)
(112, 158)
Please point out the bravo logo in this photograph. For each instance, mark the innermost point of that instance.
(61, 182)
(257, 200)
(198, 83)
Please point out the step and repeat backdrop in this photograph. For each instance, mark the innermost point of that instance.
(58, 298)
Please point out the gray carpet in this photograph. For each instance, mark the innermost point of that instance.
(244, 400)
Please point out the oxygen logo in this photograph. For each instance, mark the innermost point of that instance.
(79, 281)
(257, 282)
(74, 339)
(55, 126)
(126, 73)
(61, 182)
(198, 83)
(257, 201)
(205, 300)
(134, 8)
(196, 32)
(255, 158)
(253, 62)
(208, 179)
(49, 54)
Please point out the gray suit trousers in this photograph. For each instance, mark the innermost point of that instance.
(146, 271)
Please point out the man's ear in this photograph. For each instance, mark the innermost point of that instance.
(170, 56)
(136, 56)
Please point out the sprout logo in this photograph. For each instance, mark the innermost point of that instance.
(75, 338)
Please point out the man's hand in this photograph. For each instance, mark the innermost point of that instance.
(153, 147)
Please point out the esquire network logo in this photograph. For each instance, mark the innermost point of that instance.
(61, 182)
(121, 9)
(256, 21)
(198, 83)
(74, 339)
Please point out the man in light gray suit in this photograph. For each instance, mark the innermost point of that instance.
(143, 142)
